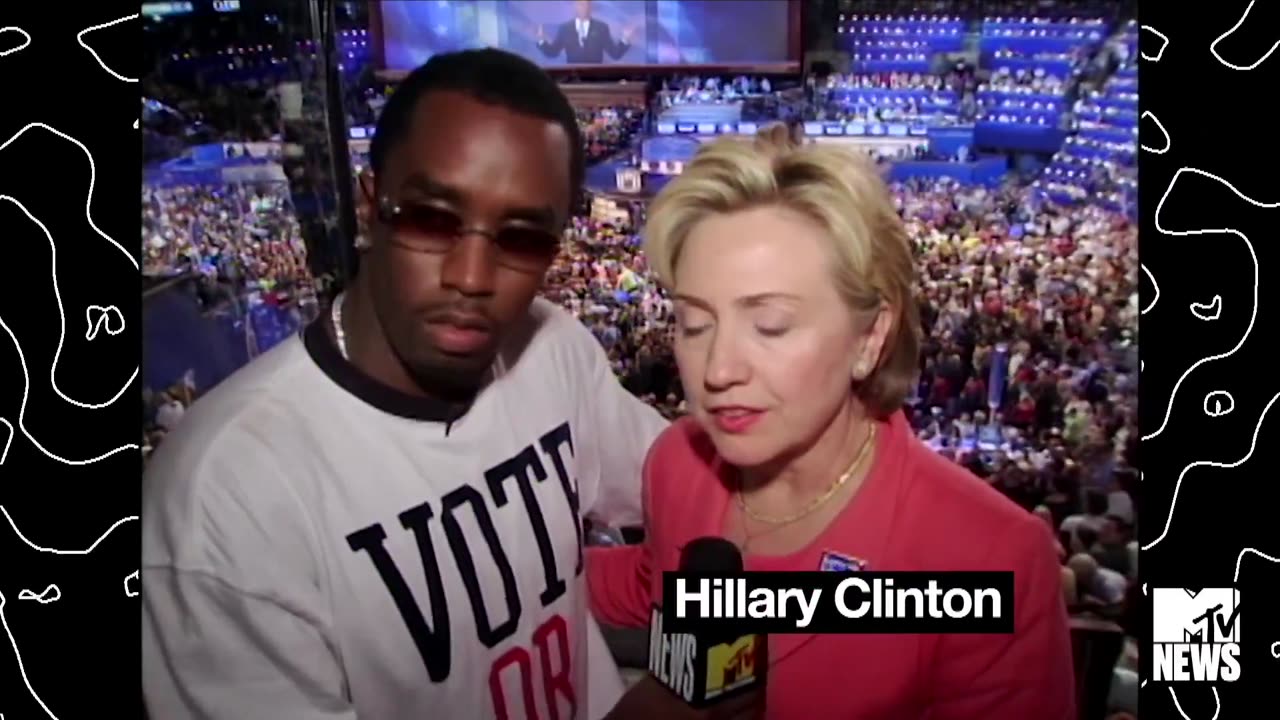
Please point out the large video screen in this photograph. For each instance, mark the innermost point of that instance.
(568, 33)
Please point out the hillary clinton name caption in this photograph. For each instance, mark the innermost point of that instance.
(827, 602)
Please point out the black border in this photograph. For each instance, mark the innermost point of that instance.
(77, 524)
(1215, 118)
(1207, 111)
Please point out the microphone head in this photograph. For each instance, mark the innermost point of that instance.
(711, 555)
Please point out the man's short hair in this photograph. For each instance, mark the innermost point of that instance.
(491, 76)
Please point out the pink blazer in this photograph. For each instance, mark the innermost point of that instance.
(915, 511)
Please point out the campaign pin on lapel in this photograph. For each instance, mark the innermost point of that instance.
(835, 562)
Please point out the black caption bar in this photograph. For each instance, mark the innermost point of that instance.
(833, 602)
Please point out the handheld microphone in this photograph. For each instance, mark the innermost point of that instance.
(707, 668)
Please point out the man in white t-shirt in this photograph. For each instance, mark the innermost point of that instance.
(381, 517)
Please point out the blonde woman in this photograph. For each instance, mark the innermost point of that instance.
(797, 340)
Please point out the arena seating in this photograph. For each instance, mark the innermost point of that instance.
(1033, 62)
(1028, 36)
(896, 44)
(862, 35)
(1100, 160)
(244, 62)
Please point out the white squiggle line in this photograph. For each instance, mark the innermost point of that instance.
(1246, 551)
(55, 551)
(1253, 444)
(4, 622)
(104, 321)
(1275, 653)
(8, 441)
(1216, 410)
(1217, 703)
(1211, 310)
(22, 670)
(131, 576)
(1182, 233)
(43, 598)
(1213, 46)
(62, 318)
(26, 40)
(92, 182)
(1168, 142)
(1155, 285)
(80, 39)
(88, 203)
(93, 178)
(1162, 36)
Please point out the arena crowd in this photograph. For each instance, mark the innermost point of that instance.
(1028, 372)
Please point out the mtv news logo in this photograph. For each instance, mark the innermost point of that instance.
(831, 602)
(1196, 635)
(701, 667)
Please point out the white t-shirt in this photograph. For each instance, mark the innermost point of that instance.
(317, 545)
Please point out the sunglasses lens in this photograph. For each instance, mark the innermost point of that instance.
(431, 229)
(527, 246)
(428, 228)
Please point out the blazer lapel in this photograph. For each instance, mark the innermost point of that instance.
(863, 530)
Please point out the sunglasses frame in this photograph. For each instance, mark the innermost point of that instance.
(388, 211)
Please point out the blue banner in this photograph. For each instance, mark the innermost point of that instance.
(1018, 136)
(987, 171)
(948, 141)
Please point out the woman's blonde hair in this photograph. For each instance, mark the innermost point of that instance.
(775, 137)
(839, 190)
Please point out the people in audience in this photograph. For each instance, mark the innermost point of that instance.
(1099, 589)
(240, 239)
(608, 130)
(1022, 80)
(1040, 279)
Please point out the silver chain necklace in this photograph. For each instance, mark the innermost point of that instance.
(335, 316)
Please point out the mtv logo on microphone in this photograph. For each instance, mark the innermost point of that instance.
(1196, 634)
(732, 665)
(706, 667)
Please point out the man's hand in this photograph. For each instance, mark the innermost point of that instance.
(542, 34)
(627, 32)
(649, 699)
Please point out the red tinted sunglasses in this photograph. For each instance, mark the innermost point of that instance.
(426, 228)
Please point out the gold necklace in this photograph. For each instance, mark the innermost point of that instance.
(819, 501)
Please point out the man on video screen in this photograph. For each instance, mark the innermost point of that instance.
(584, 40)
